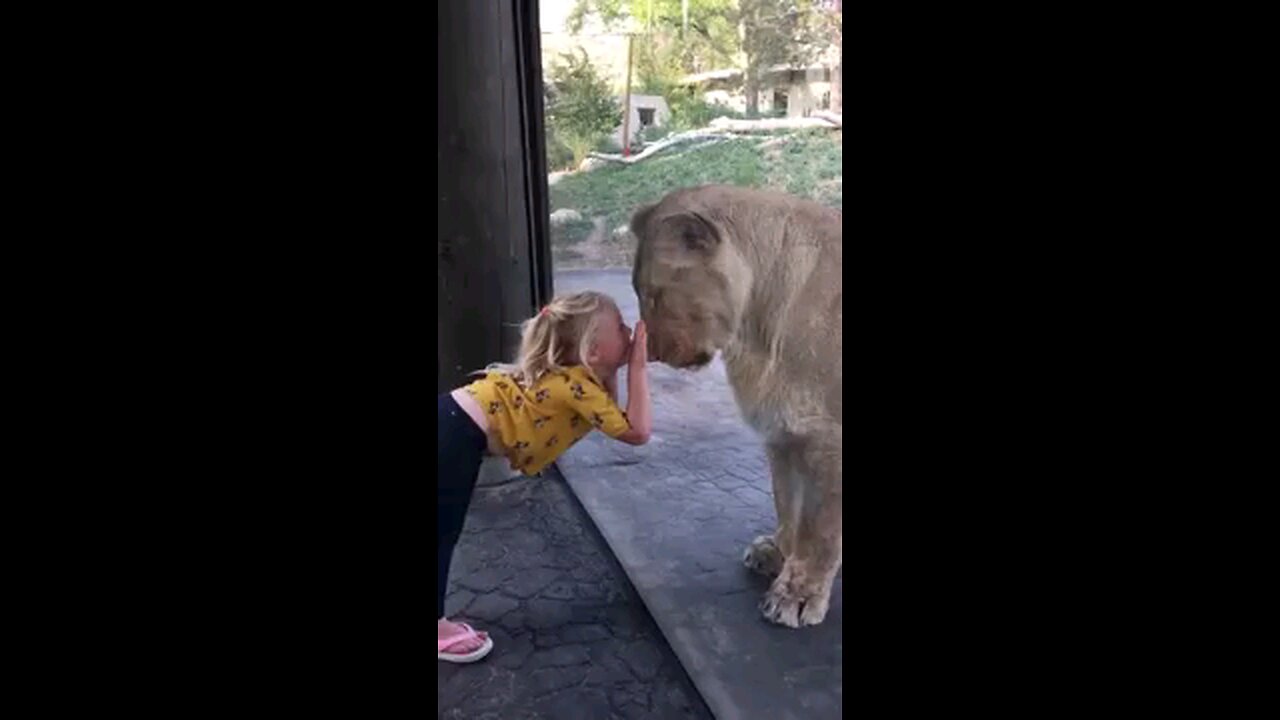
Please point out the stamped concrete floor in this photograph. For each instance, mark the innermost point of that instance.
(571, 639)
(678, 513)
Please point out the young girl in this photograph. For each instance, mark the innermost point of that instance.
(563, 386)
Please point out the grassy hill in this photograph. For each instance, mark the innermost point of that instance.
(807, 164)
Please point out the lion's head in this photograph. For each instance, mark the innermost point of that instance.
(688, 279)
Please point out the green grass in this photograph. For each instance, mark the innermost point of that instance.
(615, 190)
(807, 164)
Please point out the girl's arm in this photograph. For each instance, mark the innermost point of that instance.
(639, 410)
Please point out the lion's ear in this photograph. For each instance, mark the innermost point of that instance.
(640, 218)
(694, 231)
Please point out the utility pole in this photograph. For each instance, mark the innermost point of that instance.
(626, 102)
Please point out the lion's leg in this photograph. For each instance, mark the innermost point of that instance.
(767, 553)
(801, 593)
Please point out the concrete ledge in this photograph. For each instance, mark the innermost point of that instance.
(677, 514)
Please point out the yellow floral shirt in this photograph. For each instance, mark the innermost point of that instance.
(538, 423)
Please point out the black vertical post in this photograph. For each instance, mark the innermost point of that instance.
(492, 229)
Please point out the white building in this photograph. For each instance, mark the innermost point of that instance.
(646, 111)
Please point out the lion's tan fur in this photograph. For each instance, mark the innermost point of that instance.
(757, 275)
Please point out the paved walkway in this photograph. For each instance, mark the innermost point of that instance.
(678, 514)
(572, 640)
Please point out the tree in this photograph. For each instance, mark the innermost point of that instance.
(833, 21)
(753, 35)
(581, 109)
(700, 34)
(778, 32)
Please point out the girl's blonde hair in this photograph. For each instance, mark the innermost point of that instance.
(560, 335)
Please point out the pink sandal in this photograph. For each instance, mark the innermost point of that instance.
(442, 647)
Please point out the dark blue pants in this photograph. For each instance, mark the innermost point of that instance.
(460, 447)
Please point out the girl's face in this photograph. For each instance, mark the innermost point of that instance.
(611, 347)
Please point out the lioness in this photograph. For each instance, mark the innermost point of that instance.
(757, 276)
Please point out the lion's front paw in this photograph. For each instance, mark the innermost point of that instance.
(763, 556)
(794, 606)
